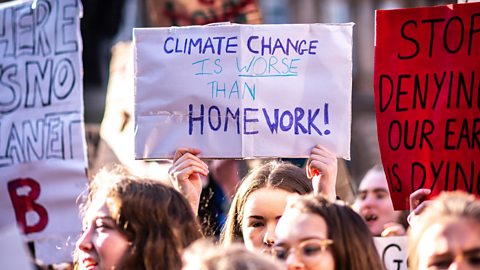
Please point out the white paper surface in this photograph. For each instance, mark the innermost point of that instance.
(14, 253)
(393, 251)
(294, 94)
(42, 143)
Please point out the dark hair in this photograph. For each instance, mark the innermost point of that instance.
(353, 247)
(156, 219)
(274, 174)
(448, 205)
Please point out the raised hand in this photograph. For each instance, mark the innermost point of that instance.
(418, 203)
(185, 174)
(322, 169)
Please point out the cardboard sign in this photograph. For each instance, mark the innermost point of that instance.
(392, 251)
(427, 98)
(42, 148)
(200, 12)
(243, 91)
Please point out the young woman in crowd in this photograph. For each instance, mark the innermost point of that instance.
(374, 204)
(315, 233)
(446, 234)
(134, 224)
(261, 197)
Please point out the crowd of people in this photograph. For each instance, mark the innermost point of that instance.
(281, 216)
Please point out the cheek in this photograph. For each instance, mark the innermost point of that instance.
(253, 237)
(111, 248)
(324, 262)
(387, 209)
(329, 261)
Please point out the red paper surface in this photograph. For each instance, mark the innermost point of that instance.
(427, 98)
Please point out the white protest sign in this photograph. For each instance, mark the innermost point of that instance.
(243, 91)
(42, 144)
(14, 253)
(393, 251)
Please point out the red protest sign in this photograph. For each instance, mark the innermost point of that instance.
(427, 98)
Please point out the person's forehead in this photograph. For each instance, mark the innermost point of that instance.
(450, 235)
(296, 225)
(98, 207)
(374, 180)
(267, 198)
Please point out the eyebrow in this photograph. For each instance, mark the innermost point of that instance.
(312, 237)
(449, 254)
(471, 251)
(256, 217)
(376, 190)
(106, 218)
(261, 217)
(302, 240)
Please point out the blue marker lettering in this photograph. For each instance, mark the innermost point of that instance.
(272, 125)
(311, 125)
(312, 47)
(249, 120)
(235, 116)
(231, 44)
(289, 124)
(165, 45)
(266, 45)
(218, 117)
(249, 41)
(191, 119)
(299, 113)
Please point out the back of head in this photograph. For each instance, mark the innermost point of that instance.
(353, 247)
(156, 219)
(447, 207)
(203, 255)
(274, 174)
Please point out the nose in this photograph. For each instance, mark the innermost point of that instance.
(269, 237)
(368, 201)
(293, 262)
(84, 243)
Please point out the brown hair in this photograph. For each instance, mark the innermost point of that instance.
(353, 247)
(448, 205)
(273, 174)
(156, 219)
(206, 256)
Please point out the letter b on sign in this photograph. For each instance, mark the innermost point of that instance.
(24, 201)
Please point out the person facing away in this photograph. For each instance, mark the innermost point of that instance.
(446, 234)
(131, 223)
(316, 234)
(260, 199)
(374, 205)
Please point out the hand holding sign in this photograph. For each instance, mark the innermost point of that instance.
(393, 229)
(185, 174)
(322, 169)
(418, 202)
